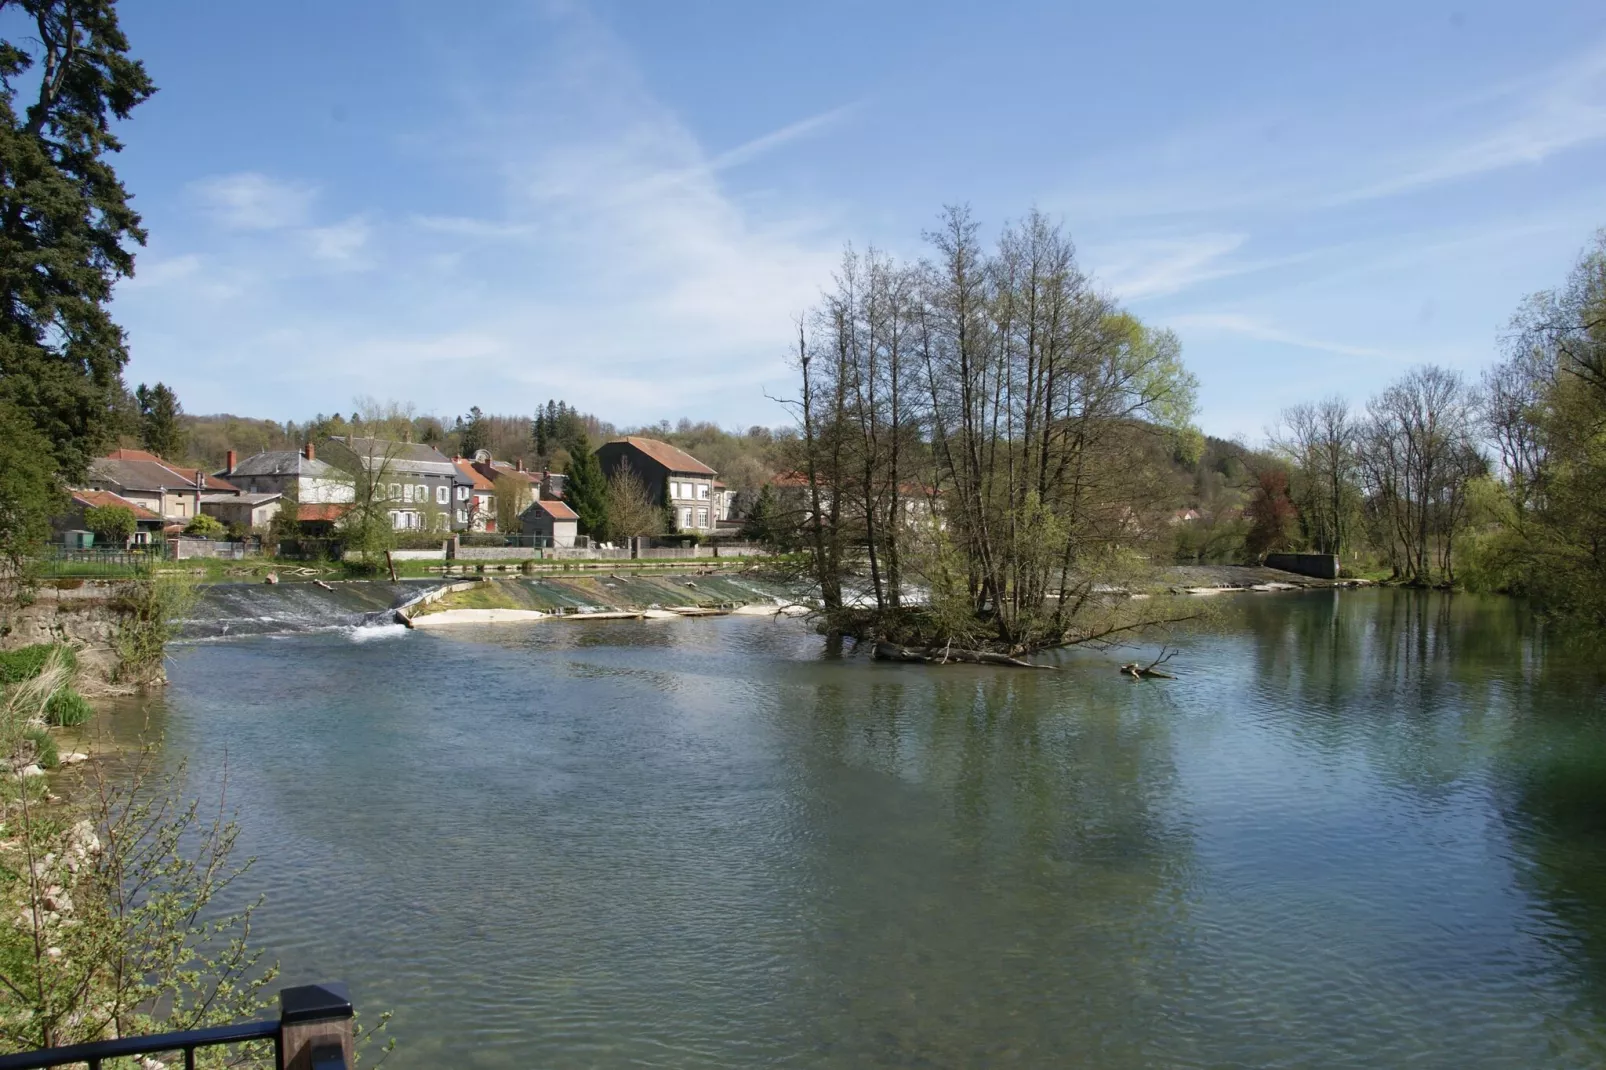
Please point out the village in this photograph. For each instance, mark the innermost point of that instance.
(135, 500)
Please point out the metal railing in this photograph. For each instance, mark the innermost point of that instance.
(60, 563)
(313, 1032)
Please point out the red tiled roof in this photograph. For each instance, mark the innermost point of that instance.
(556, 510)
(321, 511)
(102, 498)
(671, 457)
(475, 476)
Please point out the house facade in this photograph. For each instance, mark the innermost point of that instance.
(475, 506)
(296, 474)
(147, 525)
(420, 486)
(672, 477)
(251, 511)
(172, 492)
(553, 520)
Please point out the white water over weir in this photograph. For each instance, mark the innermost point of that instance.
(365, 609)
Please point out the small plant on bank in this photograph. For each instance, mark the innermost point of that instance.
(148, 607)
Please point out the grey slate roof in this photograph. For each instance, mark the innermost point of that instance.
(253, 500)
(401, 456)
(282, 463)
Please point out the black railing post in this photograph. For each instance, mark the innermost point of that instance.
(315, 1028)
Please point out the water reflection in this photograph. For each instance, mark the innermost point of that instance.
(1359, 830)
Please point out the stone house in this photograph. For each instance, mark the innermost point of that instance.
(147, 525)
(421, 487)
(672, 477)
(553, 520)
(252, 511)
(171, 491)
(298, 474)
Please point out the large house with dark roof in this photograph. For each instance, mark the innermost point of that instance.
(671, 475)
(297, 473)
(423, 489)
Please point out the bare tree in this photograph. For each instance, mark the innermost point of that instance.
(1319, 438)
(1417, 455)
(631, 510)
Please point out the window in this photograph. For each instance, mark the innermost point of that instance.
(395, 492)
(420, 492)
(702, 518)
(674, 490)
(443, 495)
(462, 516)
(462, 494)
(702, 491)
(685, 518)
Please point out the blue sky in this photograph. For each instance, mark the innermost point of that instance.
(627, 204)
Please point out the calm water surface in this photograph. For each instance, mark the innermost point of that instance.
(1362, 829)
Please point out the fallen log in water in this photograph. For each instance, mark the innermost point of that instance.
(885, 651)
(1139, 672)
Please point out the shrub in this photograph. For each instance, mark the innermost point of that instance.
(45, 751)
(67, 709)
(25, 663)
(113, 524)
(205, 527)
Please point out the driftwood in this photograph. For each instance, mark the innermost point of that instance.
(885, 651)
(1140, 672)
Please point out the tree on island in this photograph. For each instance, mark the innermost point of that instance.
(159, 427)
(979, 424)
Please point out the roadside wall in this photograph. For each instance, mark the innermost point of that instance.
(1322, 566)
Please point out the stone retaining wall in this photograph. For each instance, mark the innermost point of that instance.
(1322, 566)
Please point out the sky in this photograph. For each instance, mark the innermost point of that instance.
(627, 205)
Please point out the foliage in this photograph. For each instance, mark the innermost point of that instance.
(366, 526)
(763, 522)
(65, 221)
(561, 428)
(118, 932)
(67, 709)
(148, 608)
(46, 753)
(1271, 515)
(586, 489)
(471, 433)
(513, 495)
(29, 491)
(1003, 392)
(205, 526)
(631, 511)
(113, 525)
(24, 702)
(1546, 415)
(27, 662)
(159, 428)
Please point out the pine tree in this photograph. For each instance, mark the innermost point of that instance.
(65, 220)
(586, 489)
(473, 433)
(159, 429)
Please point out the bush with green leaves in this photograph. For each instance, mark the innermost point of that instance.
(205, 527)
(113, 525)
(26, 662)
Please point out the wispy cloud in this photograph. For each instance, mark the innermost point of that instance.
(584, 274)
(253, 201)
(1250, 327)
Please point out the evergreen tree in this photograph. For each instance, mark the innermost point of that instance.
(65, 220)
(473, 434)
(760, 525)
(159, 429)
(586, 489)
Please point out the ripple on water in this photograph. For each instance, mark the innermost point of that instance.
(706, 845)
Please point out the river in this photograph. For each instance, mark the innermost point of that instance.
(1362, 829)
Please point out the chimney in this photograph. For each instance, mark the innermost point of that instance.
(521, 464)
(308, 453)
(228, 464)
